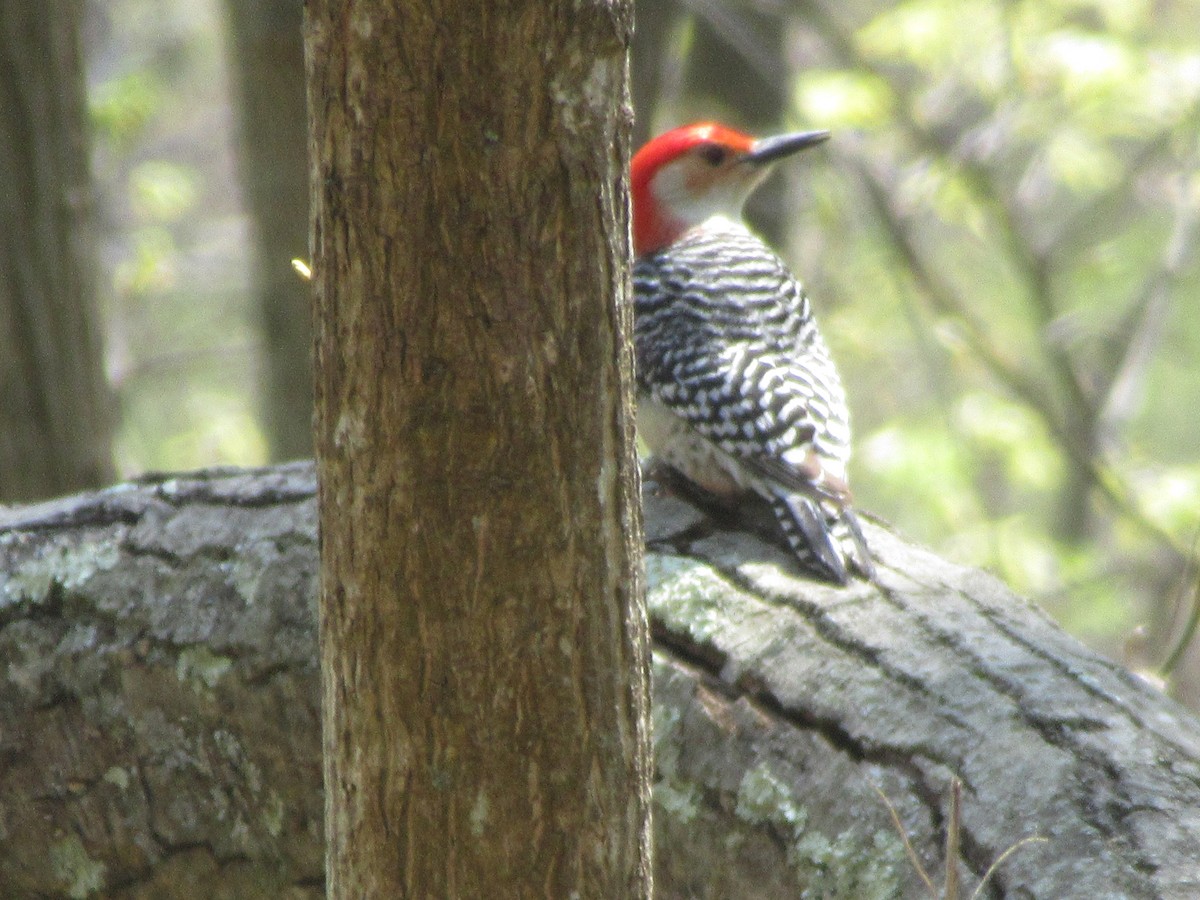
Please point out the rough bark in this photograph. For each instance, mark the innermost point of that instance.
(267, 55)
(483, 630)
(56, 414)
(159, 714)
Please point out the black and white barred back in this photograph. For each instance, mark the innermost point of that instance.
(737, 391)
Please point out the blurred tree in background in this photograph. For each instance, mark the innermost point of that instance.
(999, 242)
(268, 61)
(56, 412)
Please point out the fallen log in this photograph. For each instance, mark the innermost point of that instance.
(159, 720)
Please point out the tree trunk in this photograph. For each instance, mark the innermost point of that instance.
(56, 417)
(484, 645)
(267, 52)
(159, 709)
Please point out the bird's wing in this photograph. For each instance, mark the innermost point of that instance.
(762, 409)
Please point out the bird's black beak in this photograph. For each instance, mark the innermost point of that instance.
(769, 149)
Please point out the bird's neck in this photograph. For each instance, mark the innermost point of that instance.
(656, 228)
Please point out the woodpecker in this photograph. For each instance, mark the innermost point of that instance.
(736, 389)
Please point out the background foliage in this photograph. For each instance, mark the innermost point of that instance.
(182, 347)
(999, 241)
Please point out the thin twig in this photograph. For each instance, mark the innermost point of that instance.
(1103, 206)
(953, 840)
(1191, 578)
(1035, 839)
(908, 847)
(1148, 318)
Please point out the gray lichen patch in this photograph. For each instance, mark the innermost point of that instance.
(688, 596)
(674, 795)
(29, 663)
(274, 814)
(869, 864)
(200, 667)
(117, 776)
(68, 565)
(678, 800)
(763, 797)
(80, 875)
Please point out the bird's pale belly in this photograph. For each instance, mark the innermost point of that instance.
(671, 440)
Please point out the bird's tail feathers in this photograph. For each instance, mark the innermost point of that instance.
(850, 537)
(803, 524)
(826, 540)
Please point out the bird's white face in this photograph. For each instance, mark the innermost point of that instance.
(697, 187)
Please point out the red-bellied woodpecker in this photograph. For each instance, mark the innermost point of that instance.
(736, 389)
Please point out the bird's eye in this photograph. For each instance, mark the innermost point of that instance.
(713, 154)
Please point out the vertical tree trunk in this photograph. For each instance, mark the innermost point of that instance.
(484, 646)
(55, 408)
(268, 68)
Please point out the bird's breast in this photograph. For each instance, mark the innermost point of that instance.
(673, 442)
